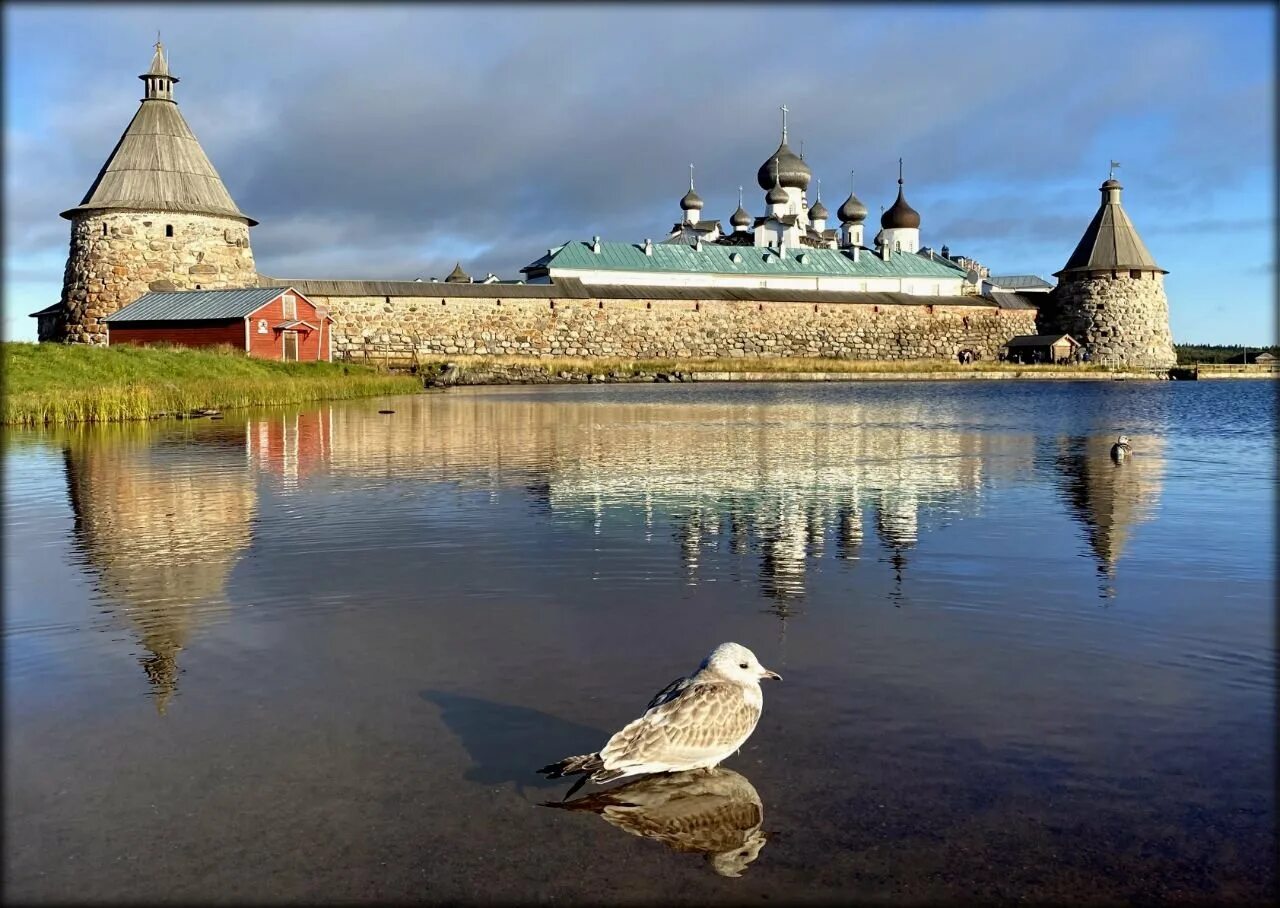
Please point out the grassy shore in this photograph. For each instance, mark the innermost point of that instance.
(603, 366)
(51, 384)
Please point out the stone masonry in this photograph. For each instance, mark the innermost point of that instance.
(399, 330)
(1121, 319)
(117, 256)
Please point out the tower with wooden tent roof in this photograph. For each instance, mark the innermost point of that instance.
(1110, 294)
(156, 218)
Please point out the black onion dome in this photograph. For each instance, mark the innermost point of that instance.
(691, 201)
(777, 196)
(901, 214)
(852, 211)
(740, 218)
(792, 172)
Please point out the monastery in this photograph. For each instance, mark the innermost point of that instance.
(786, 282)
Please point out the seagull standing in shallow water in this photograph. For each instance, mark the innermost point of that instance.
(692, 723)
(1120, 450)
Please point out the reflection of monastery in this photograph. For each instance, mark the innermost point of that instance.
(158, 218)
(162, 525)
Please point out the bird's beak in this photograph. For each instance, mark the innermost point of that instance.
(774, 675)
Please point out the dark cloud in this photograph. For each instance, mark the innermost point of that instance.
(391, 142)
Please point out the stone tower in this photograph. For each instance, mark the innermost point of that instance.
(156, 218)
(1110, 294)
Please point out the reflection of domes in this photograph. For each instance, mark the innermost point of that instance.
(786, 168)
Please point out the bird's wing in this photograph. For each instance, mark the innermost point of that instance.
(700, 721)
(669, 692)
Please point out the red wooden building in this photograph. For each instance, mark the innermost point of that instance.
(267, 322)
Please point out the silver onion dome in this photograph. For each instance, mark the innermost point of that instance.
(691, 201)
(818, 212)
(786, 168)
(852, 211)
(740, 218)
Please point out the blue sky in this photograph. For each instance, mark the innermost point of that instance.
(390, 141)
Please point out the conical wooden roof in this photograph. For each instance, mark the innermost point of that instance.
(1110, 242)
(158, 165)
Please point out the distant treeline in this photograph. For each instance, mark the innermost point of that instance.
(1219, 353)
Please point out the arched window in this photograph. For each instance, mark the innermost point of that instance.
(168, 230)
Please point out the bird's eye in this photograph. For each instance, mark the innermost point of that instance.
(742, 665)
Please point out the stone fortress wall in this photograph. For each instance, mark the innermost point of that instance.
(401, 329)
(117, 256)
(1122, 318)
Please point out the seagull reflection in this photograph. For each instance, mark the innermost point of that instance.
(716, 813)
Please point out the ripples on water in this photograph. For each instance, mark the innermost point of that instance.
(1014, 667)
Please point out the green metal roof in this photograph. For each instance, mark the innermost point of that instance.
(754, 260)
(195, 305)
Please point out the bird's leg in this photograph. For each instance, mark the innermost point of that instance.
(582, 780)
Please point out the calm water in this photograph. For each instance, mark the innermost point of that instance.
(316, 654)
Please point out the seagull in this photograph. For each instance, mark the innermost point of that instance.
(692, 723)
(716, 813)
(1120, 450)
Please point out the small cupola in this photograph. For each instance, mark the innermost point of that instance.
(157, 78)
(852, 211)
(777, 195)
(740, 218)
(691, 201)
(819, 211)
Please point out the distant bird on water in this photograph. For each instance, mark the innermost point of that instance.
(692, 723)
(1120, 450)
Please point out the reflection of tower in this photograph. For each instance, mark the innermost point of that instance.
(162, 527)
(1106, 497)
(849, 532)
(897, 525)
(783, 547)
(690, 535)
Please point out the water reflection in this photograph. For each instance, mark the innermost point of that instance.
(160, 522)
(1108, 498)
(163, 513)
(714, 813)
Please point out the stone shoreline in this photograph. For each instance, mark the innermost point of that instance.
(519, 374)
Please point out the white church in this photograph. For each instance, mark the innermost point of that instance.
(789, 246)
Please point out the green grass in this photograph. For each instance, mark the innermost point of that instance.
(51, 384)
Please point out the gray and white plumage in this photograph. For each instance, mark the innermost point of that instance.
(715, 813)
(1120, 450)
(692, 723)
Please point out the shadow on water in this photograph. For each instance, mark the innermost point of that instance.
(507, 743)
(717, 814)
